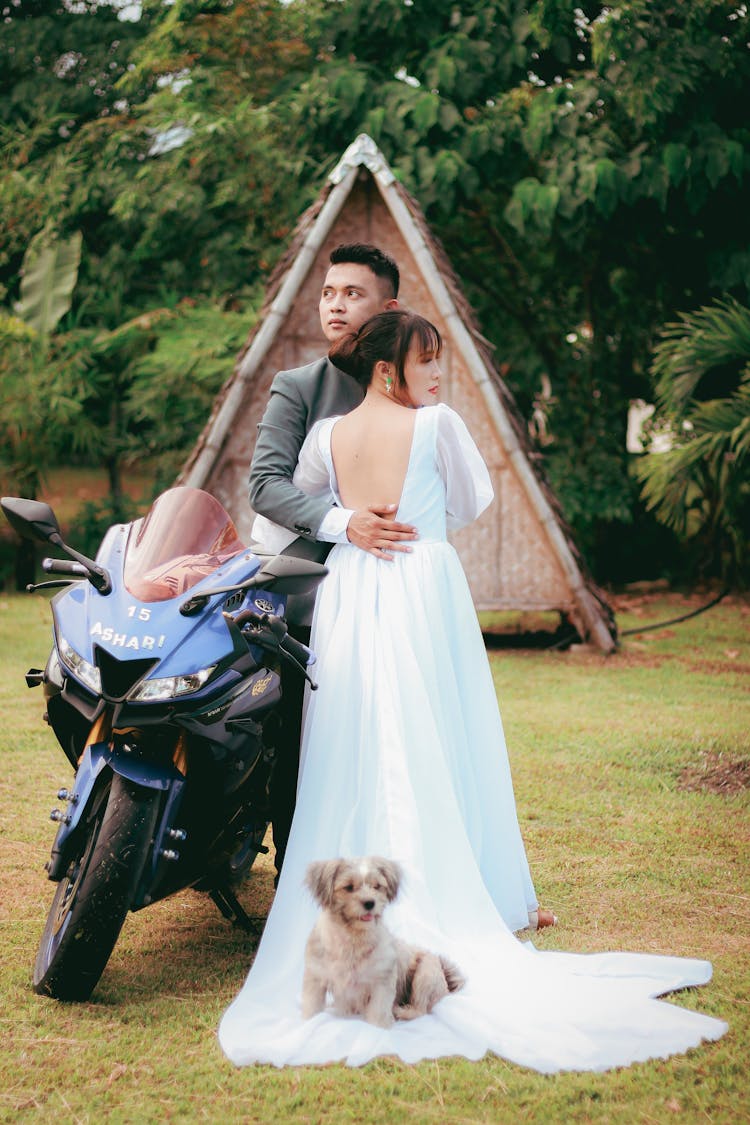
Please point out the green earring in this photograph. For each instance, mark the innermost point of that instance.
(388, 384)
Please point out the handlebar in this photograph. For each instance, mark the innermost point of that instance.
(64, 566)
(270, 631)
(296, 650)
(247, 617)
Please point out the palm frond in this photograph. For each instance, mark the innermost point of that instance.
(696, 345)
(700, 487)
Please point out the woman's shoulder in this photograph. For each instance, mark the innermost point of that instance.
(444, 411)
(447, 419)
(324, 425)
(319, 434)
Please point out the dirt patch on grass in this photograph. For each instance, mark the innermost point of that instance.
(641, 597)
(716, 774)
(720, 668)
(636, 655)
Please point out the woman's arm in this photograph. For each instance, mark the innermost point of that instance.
(467, 482)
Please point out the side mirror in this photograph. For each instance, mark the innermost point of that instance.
(32, 519)
(284, 574)
(36, 520)
(288, 575)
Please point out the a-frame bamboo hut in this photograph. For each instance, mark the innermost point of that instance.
(520, 555)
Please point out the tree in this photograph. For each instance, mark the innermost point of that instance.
(174, 173)
(38, 393)
(155, 142)
(37, 396)
(585, 166)
(59, 68)
(701, 486)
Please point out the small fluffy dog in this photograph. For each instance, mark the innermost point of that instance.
(353, 956)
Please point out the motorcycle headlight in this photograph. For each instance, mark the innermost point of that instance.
(169, 687)
(81, 668)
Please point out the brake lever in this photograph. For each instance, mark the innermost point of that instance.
(300, 667)
(270, 638)
(32, 587)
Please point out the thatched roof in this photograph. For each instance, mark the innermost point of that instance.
(362, 192)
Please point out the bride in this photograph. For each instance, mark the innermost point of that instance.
(403, 756)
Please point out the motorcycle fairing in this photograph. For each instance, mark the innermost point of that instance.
(129, 629)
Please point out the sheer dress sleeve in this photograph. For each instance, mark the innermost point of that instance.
(467, 482)
(312, 475)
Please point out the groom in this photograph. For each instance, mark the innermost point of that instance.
(361, 281)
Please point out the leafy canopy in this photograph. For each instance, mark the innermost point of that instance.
(586, 166)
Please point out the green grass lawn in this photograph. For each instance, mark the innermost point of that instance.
(631, 779)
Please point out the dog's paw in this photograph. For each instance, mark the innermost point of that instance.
(454, 978)
(380, 1021)
(378, 1015)
(407, 1012)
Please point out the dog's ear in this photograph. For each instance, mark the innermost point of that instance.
(320, 879)
(390, 873)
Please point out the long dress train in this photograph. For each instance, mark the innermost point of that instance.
(403, 756)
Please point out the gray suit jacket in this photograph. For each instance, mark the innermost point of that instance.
(298, 399)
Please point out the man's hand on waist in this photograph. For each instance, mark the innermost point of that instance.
(374, 530)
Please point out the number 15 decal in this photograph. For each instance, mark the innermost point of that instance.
(141, 613)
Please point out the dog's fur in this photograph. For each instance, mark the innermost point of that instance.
(352, 956)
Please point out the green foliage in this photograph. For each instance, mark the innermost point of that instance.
(95, 517)
(41, 400)
(150, 384)
(177, 187)
(585, 165)
(701, 356)
(180, 183)
(701, 486)
(49, 275)
(175, 383)
(60, 65)
(40, 393)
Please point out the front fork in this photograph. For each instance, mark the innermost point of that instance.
(104, 753)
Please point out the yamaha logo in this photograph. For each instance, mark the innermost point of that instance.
(263, 605)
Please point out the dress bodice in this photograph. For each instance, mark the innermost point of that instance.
(446, 483)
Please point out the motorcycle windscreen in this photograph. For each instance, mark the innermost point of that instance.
(185, 536)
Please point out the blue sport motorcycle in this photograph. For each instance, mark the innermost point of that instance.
(163, 691)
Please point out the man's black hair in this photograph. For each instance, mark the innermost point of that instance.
(364, 254)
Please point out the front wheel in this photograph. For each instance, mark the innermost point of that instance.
(94, 896)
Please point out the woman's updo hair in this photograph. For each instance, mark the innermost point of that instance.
(387, 336)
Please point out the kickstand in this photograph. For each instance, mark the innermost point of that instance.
(227, 902)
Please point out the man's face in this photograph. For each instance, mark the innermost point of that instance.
(351, 294)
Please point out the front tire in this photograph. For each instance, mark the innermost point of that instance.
(93, 898)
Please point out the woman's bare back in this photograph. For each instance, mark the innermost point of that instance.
(370, 449)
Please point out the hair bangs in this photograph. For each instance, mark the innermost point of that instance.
(427, 337)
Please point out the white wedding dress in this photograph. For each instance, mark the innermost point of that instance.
(403, 756)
